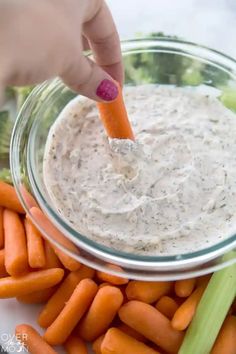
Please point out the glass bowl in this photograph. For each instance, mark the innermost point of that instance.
(153, 60)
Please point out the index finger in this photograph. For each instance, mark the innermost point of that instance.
(104, 42)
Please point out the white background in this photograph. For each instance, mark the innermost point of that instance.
(208, 22)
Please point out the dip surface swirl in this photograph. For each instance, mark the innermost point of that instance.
(171, 191)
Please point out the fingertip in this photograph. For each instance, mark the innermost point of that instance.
(105, 42)
(90, 80)
(107, 90)
(116, 71)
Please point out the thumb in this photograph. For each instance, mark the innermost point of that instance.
(90, 80)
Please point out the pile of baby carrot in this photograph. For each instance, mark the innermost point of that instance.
(82, 305)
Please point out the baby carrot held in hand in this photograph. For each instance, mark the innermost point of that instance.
(16, 257)
(71, 314)
(117, 342)
(115, 119)
(35, 247)
(57, 302)
(75, 345)
(147, 291)
(148, 321)
(25, 284)
(46, 225)
(101, 313)
(9, 199)
(31, 339)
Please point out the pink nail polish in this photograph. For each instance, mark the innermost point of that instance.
(107, 90)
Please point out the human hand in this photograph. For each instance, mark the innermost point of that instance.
(43, 39)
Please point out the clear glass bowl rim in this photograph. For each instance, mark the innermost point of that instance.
(126, 259)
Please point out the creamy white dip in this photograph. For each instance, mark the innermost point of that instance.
(172, 191)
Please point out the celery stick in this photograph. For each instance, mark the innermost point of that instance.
(211, 312)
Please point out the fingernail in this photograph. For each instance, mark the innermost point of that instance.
(107, 90)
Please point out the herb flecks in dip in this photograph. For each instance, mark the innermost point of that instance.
(170, 192)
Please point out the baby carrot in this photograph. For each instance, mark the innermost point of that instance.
(148, 321)
(31, 339)
(122, 289)
(101, 313)
(117, 342)
(167, 306)
(97, 345)
(1, 229)
(9, 199)
(3, 272)
(112, 279)
(234, 306)
(25, 284)
(46, 225)
(51, 259)
(28, 198)
(226, 340)
(75, 308)
(147, 291)
(75, 345)
(57, 302)
(103, 284)
(202, 280)
(115, 119)
(37, 297)
(35, 247)
(184, 287)
(131, 332)
(16, 258)
(184, 314)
